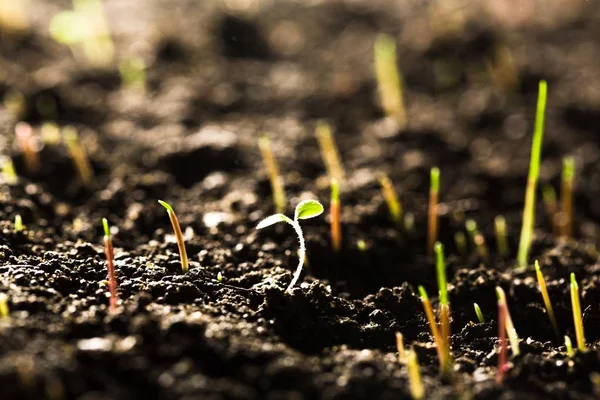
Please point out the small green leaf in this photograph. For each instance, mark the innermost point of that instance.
(271, 220)
(308, 209)
(166, 205)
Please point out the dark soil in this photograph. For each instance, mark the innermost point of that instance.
(216, 79)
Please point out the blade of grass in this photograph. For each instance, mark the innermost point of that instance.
(577, 317)
(546, 298)
(275, 178)
(566, 197)
(432, 228)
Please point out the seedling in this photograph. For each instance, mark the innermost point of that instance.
(502, 329)
(8, 171)
(532, 179)
(566, 197)
(133, 73)
(577, 317)
(391, 199)
(478, 313)
(220, 277)
(361, 245)
(477, 238)
(501, 240)
(4, 311)
(444, 308)
(400, 347)
(28, 143)
(510, 328)
(388, 79)
(432, 228)
(461, 243)
(304, 210)
(329, 152)
(336, 223)
(546, 298)
(79, 156)
(178, 235)
(409, 223)
(433, 326)
(18, 223)
(50, 133)
(551, 206)
(417, 391)
(275, 178)
(110, 256)
(569, 346)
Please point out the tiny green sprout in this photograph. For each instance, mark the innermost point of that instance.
(477, 238)
(391, 198)
(478, 313)
(329, 152)
(400, 348)
(50, 133)
(4, 311)
(417, 390)
(569, 346)
(220, 277)
(461, 243)
(275, 178)
(110, 265)
(388, 79)
(546, 298)
(566, 197)
(433, 326)
(18, 223)
(178, 235)
(335, 215)
(532, 179)
(444, 308)
(361, 245)
(577, 317)
(78, 155)
(133, 73)
(409, 223)
(9, 174)
(440, 266)
(432, 227)
(513, 338)
(501, 240)
(14, 102)
(304, 210)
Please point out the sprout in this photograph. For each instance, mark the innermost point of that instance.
(304, 210)
(566, 198)
(8, 171)
(551, 206)
(478, 313)
(112, 279)
(501, 240)
(546, 298)
(510, 328)
(417, 391)
(336, 220)
(220, 277)
(18, 223)
(361, 245)
(400, 347)
(433, 326)
(275, 178)
(461, 243)
(178, 235)
(29, 145)
(79, 156)
(432, 228)
(329, 152)
(409, 223)
(4, 311)
(133, 73)
(577, 318)
(444, 309)
(502, 350)
(569, 346)
(388, 79)
(534, 171)
(477, 238)
(391, 199)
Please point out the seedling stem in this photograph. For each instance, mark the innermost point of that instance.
(577, 317)
(546, 298)
(178, 235)
(391, 199)
(329, 152)
(112, 280)
(434, 189)
(478, 313)
(336, 223)
(566, 198)
(388, 79)
(275, 178)
(417, 391)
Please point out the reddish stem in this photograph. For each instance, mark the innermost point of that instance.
(502, 350)
(112, 280)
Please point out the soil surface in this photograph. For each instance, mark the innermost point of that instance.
(218, 75)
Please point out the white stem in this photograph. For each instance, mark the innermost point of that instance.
(301, 254)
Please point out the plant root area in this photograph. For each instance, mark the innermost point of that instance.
(220, 73)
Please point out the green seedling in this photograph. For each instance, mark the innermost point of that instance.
(513, 338)
(304, 210)
(50, 133)
(9, 173)
(566, 197)
(569, 347)
(577, 317)
(133, 73)
(478, 313)
(220, 277)
(18, 223)
(275, 178)
(546, 298)
(336, 219)
(501, 239)
(444, 307)
(391, 198)
(28, 142)
(502, 328)
(79, 156)
(110, 264)
(400, 348)
(388, 79)
(178, 236)
(409, 223)
(461, 243)
(417, 391)
(432, 227)
(551, 206)
(477, 238)
(329, 152)
(4, 311)
(433, 326)
(532, 179)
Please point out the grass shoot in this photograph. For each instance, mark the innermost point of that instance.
(110, 256)
(513, 338)
(532, 179)
(566, 198)
(4, 310)
(388, 77)
(432, 227)
(304, 210)
(400, 347)
(29, 145)
(220, 277)
(477, 239)
(18, 223)
(502, 329)
(391, 198)
(275, 178)
(329, 152)
(409, 223)
(417, 391)
(551, 206)
(444, 308)
(79, 156)
(9, 173)
(546, 298)
(178, 235)
(501, 239)
(478, 313)
(569, 347)
(435, 331)
(335, 217)
(577, 317)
